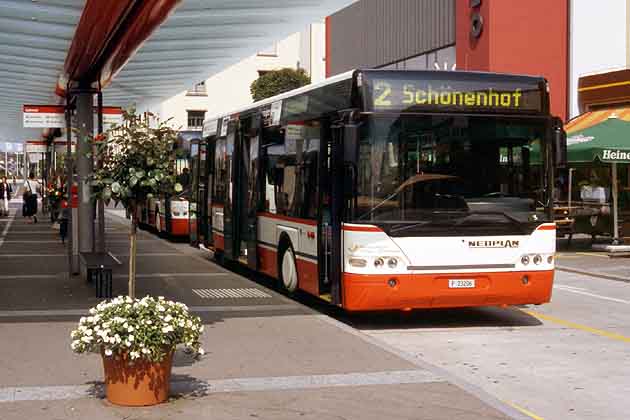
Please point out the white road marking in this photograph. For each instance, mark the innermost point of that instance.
(6, 228)
(29, 313)
(585, 293)
(29, 276)
(237, 293)
(116, 276)
(114, 258)
(274, 383)
(566, 286)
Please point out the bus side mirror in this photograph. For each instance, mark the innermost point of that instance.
(277, 176)
(351, 143)
(560, 147)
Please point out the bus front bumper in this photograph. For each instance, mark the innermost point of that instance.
(365, 292)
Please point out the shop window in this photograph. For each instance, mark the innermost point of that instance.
(272, 51)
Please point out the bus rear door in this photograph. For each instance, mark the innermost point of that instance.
(194, 203)
(246, 191)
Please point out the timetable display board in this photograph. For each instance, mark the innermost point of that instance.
(428, 91)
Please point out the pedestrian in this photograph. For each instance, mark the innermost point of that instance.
(14, 183)
(5, 196)
(29, 208)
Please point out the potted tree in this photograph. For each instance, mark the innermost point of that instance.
(137, 339)
(137, 161)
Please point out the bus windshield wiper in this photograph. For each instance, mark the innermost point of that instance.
(491, 213)
(410, 226)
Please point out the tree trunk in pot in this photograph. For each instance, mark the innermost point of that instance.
(132, 256)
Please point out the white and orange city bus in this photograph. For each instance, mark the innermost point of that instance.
(168, 214)
(380, 189)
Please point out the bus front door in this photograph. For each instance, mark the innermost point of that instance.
(206, 159)
(230, 219)
(331, 210)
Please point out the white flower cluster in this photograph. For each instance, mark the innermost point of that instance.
(146, 328)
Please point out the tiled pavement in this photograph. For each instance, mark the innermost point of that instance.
(268, 356)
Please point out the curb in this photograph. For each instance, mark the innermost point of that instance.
(592, 274)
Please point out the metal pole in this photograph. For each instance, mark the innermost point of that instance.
(570, 187)
(100, 243)
(85, 167)
(614, 200)
(71, 266)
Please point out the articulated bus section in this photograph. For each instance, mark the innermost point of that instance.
(360, 193)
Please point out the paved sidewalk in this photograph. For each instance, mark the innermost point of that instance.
(268, 357)
(582, 259)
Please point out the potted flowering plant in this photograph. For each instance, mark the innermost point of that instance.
(136, 339)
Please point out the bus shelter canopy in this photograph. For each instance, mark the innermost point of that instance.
(46, 45)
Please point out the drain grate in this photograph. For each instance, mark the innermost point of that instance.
(250, 293)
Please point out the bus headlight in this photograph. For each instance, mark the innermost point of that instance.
(525, 259)
(392, 263)
(550, 259)
(537, 259)
(379, 262)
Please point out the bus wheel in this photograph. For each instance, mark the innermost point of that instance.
(158, 224)
(218, 257)
(288, 270)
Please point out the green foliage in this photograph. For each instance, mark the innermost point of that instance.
(277, 82)
(137, 161)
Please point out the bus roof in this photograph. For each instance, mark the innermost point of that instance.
(455, 75)
(329, 81)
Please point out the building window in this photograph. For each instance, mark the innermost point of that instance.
(198, 90)
(195, 119)
(269, 52)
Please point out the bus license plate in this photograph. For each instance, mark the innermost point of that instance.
(461, 284)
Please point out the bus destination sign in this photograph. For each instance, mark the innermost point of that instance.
(453, 96)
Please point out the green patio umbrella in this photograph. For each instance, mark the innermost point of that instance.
(606, 142)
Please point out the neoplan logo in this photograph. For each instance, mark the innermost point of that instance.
(493, 244)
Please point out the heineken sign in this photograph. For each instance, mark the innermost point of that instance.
(615, 155)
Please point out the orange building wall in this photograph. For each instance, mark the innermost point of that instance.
(524, 37)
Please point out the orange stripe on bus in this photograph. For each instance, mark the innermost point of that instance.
(366, 228)
(546, 227)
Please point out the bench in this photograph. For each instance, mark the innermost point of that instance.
(99, 267)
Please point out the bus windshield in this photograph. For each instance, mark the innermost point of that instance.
(450, 175)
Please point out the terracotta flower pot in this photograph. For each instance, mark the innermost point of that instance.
(139, 384)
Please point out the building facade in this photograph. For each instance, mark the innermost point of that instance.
(560, 39)
(229, 89)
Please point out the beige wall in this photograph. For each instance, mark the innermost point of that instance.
(599, 40)
(229, 89)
